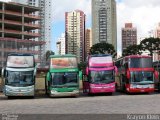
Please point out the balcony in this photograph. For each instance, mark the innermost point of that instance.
(13, 31)
(32, 34)
(12, 13)
(20, 32)
(12, 22)
(32, 25)
(1, 11)
(26, 42)
(32, 16)
(2, 59)
(19, 51)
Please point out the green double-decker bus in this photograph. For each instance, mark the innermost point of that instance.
(63, 76)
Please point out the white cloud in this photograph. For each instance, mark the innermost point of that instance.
(62, 6)
(144, 14)
(140, 3)
(5, 0)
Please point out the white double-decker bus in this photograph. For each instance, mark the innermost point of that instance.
(19, 75)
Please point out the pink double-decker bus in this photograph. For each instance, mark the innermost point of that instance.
(100, 75)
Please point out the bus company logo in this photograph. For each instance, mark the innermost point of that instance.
(143, 117)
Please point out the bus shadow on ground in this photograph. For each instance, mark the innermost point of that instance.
(102, 94)
(82, 95)
(143, 93)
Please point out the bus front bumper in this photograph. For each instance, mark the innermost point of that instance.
(19, 91)
(140, 88)
(61, 94)
(101, 88)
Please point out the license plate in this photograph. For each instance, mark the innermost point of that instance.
(20, 94)
(142, 90)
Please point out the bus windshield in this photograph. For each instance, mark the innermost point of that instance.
(19, 79)
(102, 76)
(65, 78)
(140, 63)
(142, 77)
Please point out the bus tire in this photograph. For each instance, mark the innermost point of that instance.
(90, 94)
(32, 97)
(159, 87)
(124, 89)
(10, 97)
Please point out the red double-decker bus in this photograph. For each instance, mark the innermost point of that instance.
(135, 74)
(156, 66)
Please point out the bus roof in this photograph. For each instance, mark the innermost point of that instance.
(132, 56)
(100, 55)
(66, 55)
(138, 56)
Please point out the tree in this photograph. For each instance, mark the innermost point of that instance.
(151, 44)
(82, 65)
(132, 50)
(48, 53)
(102, 48)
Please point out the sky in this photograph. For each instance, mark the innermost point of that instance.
(144, 14)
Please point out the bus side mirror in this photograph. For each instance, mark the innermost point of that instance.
(80, 75)
(3, 73)
(128, 75)
(156, 74)
(35, 72)
(116, 70)
(87, 71)
(48, 76)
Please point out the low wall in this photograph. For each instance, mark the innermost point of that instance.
(40, 84)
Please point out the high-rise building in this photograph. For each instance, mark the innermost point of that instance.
(157, 31)
(104, 22)
(61, 44)
(45, 22)
(16, 27)
(129, 35)
(156, 53)
(88, 41)
(75, 33)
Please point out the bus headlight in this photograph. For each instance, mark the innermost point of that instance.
(75, 91)
(53, 91)
(151, 86)
(8, 89)
(133, 86)
(112, 86)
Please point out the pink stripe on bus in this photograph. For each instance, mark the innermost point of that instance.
(100, 69)
(101, 64)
